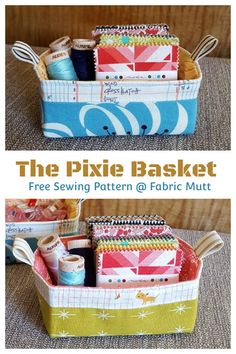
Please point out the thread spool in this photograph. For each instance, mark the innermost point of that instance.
(60, 66)
(83, 248)
(52, 249)
(71, 270)
(83, 243)
(82, 58)
(63, 43)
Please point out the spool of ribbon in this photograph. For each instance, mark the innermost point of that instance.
(59, 66)
(82, 58)
(52, 249)
(71, 270)
(63, 43)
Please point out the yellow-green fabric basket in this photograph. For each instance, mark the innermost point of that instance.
(95, 311)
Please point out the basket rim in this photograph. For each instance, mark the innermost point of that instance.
(42, 222)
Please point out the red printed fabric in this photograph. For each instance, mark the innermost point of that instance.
(130, 231)
(140, 262)
(137, 58)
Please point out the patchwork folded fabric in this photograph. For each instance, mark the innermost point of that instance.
(137, 40)
(136, 253)
(115, 231)
(123, 220)
(161, 242)
(160, 266)
(156, 62)
(126, 54)
(127, 220)
(151, 29)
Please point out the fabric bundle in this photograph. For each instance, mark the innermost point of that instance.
(131, 251)
(142, 52)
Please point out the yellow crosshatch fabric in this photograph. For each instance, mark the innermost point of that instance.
(176, 317)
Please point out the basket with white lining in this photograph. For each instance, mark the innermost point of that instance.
(70, 311)
(133, 107)
(33, 230)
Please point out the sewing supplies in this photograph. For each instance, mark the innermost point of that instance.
(63, 43)
(145, 51)
(52, 249)
(134, 251)
(121, 251)
(119, 57)
(59, 66)
(83, 248)
(82, 58)
(142, 52)
(71, 270)
(20, 210)
(132, 307)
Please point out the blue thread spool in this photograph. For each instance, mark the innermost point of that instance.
(82, 58)
(71, 270)
(60, 67)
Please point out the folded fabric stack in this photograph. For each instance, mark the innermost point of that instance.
(136, 52)
(143, 29)
(134, 254)
(95, 221)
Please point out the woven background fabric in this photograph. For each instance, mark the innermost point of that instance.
(23, 116)
(25, 329)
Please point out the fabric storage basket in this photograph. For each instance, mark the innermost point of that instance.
(85, 311)
(102, 108)
(31, 231)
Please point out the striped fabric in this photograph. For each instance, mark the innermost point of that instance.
(209, 244)
(206, 45)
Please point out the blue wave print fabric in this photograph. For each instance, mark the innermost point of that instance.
(104, 119)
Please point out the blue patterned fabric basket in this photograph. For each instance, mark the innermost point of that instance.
(118, 107)
(102, 108)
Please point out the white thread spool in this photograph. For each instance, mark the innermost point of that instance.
(71, 270)
(83, 44)
(83, 243)
(52, 249)
(63, 43)
(56, 56)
